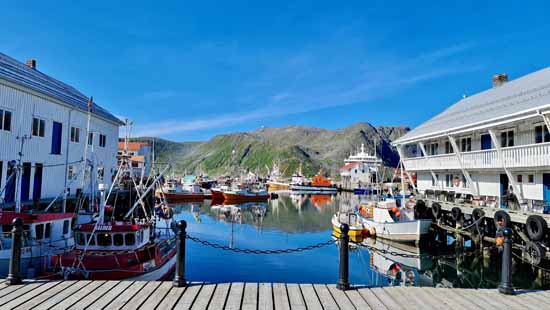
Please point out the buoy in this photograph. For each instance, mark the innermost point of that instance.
(394, 210)
(499, 241)
(398, 213)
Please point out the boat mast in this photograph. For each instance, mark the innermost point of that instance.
(85, 162)
(402, 183)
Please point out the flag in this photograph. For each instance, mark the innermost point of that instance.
(90, 103)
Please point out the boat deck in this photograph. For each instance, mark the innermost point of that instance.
(161, 295)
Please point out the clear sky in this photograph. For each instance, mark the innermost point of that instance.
(188, 71)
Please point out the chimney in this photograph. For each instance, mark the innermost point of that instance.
(31, 63)
(499, 79)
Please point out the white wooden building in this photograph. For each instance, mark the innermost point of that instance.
(53, 117)
(488, 144)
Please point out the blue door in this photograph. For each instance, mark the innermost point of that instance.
(546, 188)
(486, 142)
(26, 182)
(57, 133)
(37, 182)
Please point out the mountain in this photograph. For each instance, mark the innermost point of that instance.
(256, 150)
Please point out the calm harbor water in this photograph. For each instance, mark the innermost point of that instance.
(301, 220)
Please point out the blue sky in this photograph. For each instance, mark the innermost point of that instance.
(188, 71)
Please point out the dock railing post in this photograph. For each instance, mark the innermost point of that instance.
(14, 276)
(505, 286)
(343, 278)
(179, 278)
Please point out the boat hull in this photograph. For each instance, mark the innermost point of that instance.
(405, 231)
(355, 233)
(277, 186)
(311, 188)
(232, 198)
(180, 197)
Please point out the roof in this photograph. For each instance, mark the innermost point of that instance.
(133, 146)
(349, 166)
(21, 74)
(138, 158)
(524, 94)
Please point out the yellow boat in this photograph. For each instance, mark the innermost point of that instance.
(356, 230)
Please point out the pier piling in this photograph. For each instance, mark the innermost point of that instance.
(505, 286)
(14, 276)
(343, 279)
(181, 235)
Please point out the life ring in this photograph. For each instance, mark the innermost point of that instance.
(456, 213)
(436, 210)
(536, 227)
(502, 219)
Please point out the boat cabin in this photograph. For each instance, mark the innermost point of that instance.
(38, 227)
(114, 236)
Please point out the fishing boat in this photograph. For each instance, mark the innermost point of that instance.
(357, 231)
(133, 249)
(44, 236)
(318, 183)
(385, 220)
(174, 192)
(276, 181)
(245, 195)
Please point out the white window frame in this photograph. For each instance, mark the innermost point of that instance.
(104, 140)
(3, 118)
(526, 180)
(507, 130)
(544, 127)
(41, 121)
(77, 130)
(460, 143)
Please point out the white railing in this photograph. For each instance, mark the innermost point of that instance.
(532, 155)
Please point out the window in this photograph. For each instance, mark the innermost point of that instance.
(135, 165)
(507, 138)
(90, 239)
(118, 240)
(48, 230)
(39, 229)
(5, 120)
(531, 178)
(71, 173)
(432, 148)
(466, 144)
(90, 138)
(75, 134)
(66, 225)
(102, 140)
(100, 173)
(130, 239)
(542, 134)
(519, 178)
(104, 240)
(448, 147)
(80, 238)
(38, 127)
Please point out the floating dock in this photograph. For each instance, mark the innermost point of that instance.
(162, 295)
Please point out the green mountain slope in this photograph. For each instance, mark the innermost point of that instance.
(256, 151)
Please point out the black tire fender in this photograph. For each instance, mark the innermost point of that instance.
(456, 213)
(536, 227)
(477, 214)
(534, 252)
(502, 219)
(436, 210)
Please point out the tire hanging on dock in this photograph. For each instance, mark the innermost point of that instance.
(534, 253)
(502, 219)
(436, 210)
(477, 214)
(536, 227)
(456, 213)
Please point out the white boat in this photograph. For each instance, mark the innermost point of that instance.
(387, 221)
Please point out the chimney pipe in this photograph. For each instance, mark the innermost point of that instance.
(499, 79)
(31, 63)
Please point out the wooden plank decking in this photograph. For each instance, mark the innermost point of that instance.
(161, 295)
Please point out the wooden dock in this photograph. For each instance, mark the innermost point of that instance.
(161, 295)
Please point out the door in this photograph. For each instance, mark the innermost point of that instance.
(504, 185)
(486, 142)
(546, 188)
(37, 182)
(57, 133)
(9, 195)
(26, 182)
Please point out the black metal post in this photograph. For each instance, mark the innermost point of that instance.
(343, 279)
(505, 286)
(179, 278)
(15, 260)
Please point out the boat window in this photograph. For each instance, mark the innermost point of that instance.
(66, 225)
(118, 239)
(90, 238)
(39, 231)
(80, 238)
(48, 230)
(104, 239)
(130, 239)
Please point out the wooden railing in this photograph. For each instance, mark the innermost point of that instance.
(532, 155)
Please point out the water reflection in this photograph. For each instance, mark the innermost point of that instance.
(301, 220)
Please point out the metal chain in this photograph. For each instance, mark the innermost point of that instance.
(255, 251)
(429, 256)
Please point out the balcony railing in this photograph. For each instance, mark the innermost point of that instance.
(522, 156)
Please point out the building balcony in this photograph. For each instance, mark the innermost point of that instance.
(522, 156)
